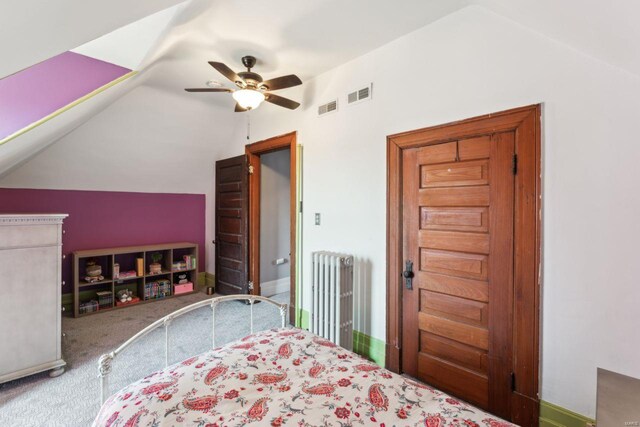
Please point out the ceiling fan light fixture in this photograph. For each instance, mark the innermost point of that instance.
(248, 98)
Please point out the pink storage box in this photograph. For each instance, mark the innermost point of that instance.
(184, 288)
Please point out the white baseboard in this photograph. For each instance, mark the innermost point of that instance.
(273, 287)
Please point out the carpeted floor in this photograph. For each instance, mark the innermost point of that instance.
(73, 398)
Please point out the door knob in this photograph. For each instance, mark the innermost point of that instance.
(408, 274)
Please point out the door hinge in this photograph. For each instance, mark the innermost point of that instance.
(250, 170)
(513, 381)
(300, 206)
(515, 164)
(250, 286)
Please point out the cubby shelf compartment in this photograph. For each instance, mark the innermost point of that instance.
(126, 257)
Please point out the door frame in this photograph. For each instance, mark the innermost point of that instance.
(253, 152)
(525, 122)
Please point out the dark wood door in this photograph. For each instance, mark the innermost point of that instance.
(232, 228)
(458, 229)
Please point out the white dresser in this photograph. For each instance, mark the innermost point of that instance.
(30, 295)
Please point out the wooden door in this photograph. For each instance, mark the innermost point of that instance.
(231, 219)
(458, 213)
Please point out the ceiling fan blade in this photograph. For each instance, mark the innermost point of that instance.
(205, 89)
(282, 82)
(239, 109)
(225, 71)
(281, 101)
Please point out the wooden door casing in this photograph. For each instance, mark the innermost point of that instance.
(519, 352)
(253, 152)
(232, 230)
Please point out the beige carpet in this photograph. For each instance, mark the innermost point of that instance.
(73, 398)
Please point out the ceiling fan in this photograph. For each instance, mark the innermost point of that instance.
(251, 89)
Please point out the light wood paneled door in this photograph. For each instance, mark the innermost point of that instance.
(458, 234)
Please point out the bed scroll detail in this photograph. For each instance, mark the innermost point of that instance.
(105, 361)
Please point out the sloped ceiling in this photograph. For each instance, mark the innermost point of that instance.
(34, 30)
(606, 30)
(287, 36)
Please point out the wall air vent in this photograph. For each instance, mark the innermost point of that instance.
(360, 94)
(329, 107)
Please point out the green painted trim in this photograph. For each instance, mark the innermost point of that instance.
(363, 344)
(209, 280)
(302, 319)
(298, 249)
(67, 302)
(201, 280)
(369, 347)
(67, 107)
(555, 416)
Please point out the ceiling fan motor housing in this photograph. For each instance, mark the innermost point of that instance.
(250, 78)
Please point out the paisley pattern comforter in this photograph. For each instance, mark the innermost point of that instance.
(284, 377)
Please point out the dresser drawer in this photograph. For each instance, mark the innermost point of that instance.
(26, 236)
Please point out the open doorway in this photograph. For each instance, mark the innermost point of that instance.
(275, 223)
(273, 209)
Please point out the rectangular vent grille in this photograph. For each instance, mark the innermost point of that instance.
(359, 95)
(329, 107)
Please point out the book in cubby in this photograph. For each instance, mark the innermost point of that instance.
(184, 259)
(106, 279)
(95, 298)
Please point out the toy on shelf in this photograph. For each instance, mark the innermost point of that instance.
(93, 271)
(116, 270)
(155, 267)
(125, 295)
(182, 279)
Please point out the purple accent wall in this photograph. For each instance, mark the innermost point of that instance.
(105, 219)
(33, 93)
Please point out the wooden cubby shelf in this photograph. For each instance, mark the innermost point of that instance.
(86, 295)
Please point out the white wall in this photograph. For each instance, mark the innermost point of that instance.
(467, 64)
(275, 221)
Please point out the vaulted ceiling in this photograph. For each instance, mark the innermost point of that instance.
(287, 36)
(34, 30)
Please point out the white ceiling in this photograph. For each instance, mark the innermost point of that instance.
(128, 46)
(287, 36)
(34, 30)
(311, 36)
(607, 30)
(302, 37)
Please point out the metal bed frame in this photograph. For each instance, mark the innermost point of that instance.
(104, 363)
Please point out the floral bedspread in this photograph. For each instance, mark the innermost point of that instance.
(284, 377)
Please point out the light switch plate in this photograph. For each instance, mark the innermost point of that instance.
(317, 218)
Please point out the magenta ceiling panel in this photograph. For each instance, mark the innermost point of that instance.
(32, 94)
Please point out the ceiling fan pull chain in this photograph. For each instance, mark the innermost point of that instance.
(248, 126)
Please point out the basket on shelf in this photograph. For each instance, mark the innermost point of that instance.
(88, 307)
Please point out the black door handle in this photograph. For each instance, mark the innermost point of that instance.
(408, 274)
